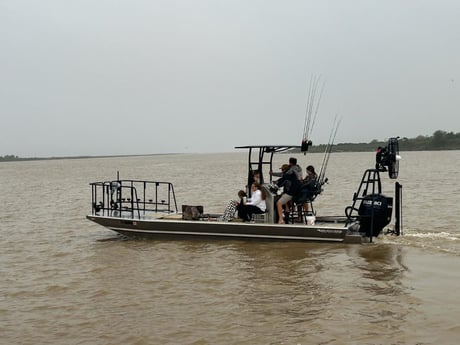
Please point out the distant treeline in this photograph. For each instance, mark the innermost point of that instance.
(8, 158)
(439, 141)
(11, 158)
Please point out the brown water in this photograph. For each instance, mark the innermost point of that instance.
(66, 280)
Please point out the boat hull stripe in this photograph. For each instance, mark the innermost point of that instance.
(214, 234)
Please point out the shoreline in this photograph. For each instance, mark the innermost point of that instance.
(28, 159)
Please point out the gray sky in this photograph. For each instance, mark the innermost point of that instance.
(96, 77)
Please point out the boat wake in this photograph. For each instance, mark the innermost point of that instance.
(436, 242)
(434, 235)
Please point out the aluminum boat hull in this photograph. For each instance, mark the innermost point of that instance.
(156, 228)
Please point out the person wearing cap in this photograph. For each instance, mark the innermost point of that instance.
(293, 166)
(291, 184)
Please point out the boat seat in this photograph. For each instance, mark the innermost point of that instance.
(260, 217)
(310, 207)
(305, 197)
(307, 194)
(298, 211)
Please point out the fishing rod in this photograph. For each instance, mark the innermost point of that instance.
(311, 110)
(316, 110)
(328, 150)
(308, 108)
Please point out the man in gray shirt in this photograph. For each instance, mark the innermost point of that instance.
(293, 166)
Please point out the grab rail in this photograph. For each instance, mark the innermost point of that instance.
(133, 197)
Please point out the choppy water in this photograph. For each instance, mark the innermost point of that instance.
(66, 280)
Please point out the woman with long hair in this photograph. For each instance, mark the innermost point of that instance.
(255, 205)
(309, 186)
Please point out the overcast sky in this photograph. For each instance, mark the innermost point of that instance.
(96, 77)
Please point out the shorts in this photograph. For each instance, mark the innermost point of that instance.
(285, 198)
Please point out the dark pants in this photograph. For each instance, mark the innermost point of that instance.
(245, 212)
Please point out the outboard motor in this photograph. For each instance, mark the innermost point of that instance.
(374, 214)
(375, 210)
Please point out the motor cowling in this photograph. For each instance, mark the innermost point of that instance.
(374, 214)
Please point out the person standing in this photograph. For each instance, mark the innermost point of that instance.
(293, 166)
(291, 184)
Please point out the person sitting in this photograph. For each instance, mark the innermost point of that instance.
(290, 183)
(232, 205)
(255, 205)
(254, 176)
(308, 188)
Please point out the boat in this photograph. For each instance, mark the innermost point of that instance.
(148, 209)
